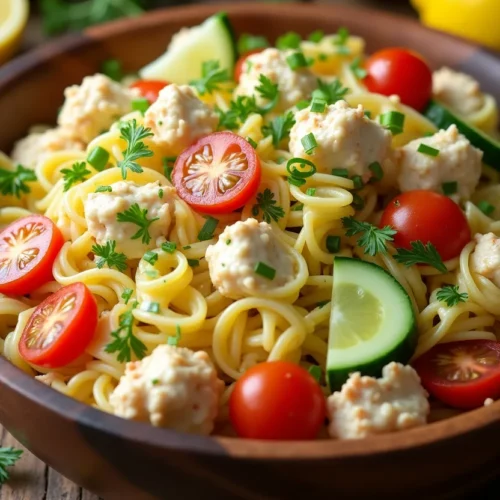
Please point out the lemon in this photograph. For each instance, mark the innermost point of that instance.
(13, 19)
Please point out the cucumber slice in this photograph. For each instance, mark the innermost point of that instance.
(443, 117)
(211, 40)
(372, 321)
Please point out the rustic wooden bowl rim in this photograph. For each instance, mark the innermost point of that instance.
(86, 416)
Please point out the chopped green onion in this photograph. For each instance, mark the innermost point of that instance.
(174, 340)
(155, 381)
(368, 114)
(322, 303)
(112, 68)
(359, 72)
(169, 247)
(376, 170)
(319, 94)
(333, 243)
(302, 105)
(393, 121)
(485, 207)
(318, 105)
(310, 191)
(297, 207)
(280, 160)
(316, 36)
(247, 42)
(150, 257)
(315, 371)
(252, 142)
(228, 242)
(207, 231)
(357, 202)
(296, 61)
(140, 104)
(449, 188)
(322, 57)
(193, 262)
(428, 134)
(296, 181)
(428, 150)
(187, 247)
(358, 182)
(160, 193)
(127, 294)
(294, 172)
(290, 40)
(309, 143)
(152, 273)
(265, 271)
(98, 158)
(342, 36)
(104, 189)
(152, 307)
(340, 172)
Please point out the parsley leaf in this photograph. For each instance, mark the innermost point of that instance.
(212, 75)
(372, 239)
(279, 128)
(124, 341)
(332, 91)
(137, 216)
(134, 135)
(451, 295)
(267, 203)
(14, 181)
(268, 90)
(8, 457)
(77, 173)
(357, 68)
(106, 255)
(420, 254)
(228, 120)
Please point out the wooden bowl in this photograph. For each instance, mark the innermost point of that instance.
(120, 459)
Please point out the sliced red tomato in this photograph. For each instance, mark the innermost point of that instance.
(277, 400)
(428, 217)
(149, 89)
(217, 174)
(60, 328)
(401, 72)
(462, 374)
(241, 63)
(28, 248)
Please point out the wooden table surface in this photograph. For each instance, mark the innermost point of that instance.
(31, 479)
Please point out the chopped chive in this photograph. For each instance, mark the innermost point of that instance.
(368, 114)
(300, 173)
(290, 40)
(322, 57)
(152, 273)
(376, 170)
(112, 68)
(357, 202)
(319, 94)
(150, 257)
(252, 142)
(140, 104)
(428, 134)
(169, 247)
(342, 36)
(280, 160)
(449, 188)
(152, 307)
(104, 189)
(228, 242)
(302, 105)
(155, 381)
(207, 231)
(193, 262)
(333, 243)
(160, 193)
(340, 172)
(310, 191)
(358, 182)
(322, 303)
(127, 294)
(296, 181)
(98, 158)
(296, 61)
(265, 271)
(297, 207)
(393, 121)
(428, 150)
(316, 36)
(309, 143)
(357, 69)
(187, 247)
(318, 105)
(247, 42)
(315, 371)
(485, 207)
(174, 340)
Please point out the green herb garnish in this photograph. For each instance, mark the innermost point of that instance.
(137, 216)
(108, 256)
(451, 295)
(373, 239)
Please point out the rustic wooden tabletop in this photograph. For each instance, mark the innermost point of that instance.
(31, 479)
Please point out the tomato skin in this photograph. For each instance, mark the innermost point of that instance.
(402, 72)
(76, 327)
(428, 217)
(149, 89)
(44, 238)
(212, 201)
(240, 63)
(277, 400)
(468, 394)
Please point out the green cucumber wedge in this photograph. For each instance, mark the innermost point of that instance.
(372, 321)
(212, 40)
(443, 117)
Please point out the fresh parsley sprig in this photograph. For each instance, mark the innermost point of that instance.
(137, 216)
(451, 295)
(279, 128)
(124, 341)
(267, 203)
(8, 458)
(134, 134)
(420, 254)
(268, 90)
(331, 92)
(77, 173)
(106, 255)
(211, 77)
(373, 239)
(14, 182)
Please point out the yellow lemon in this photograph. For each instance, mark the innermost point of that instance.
(13, 19)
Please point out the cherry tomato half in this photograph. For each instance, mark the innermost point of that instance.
(277, 400)
(28, 248)
(240, 63)
(60, 328)
(149, 89)
(217, 174)
(461, 374)
(400, 72)
(428, 217)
